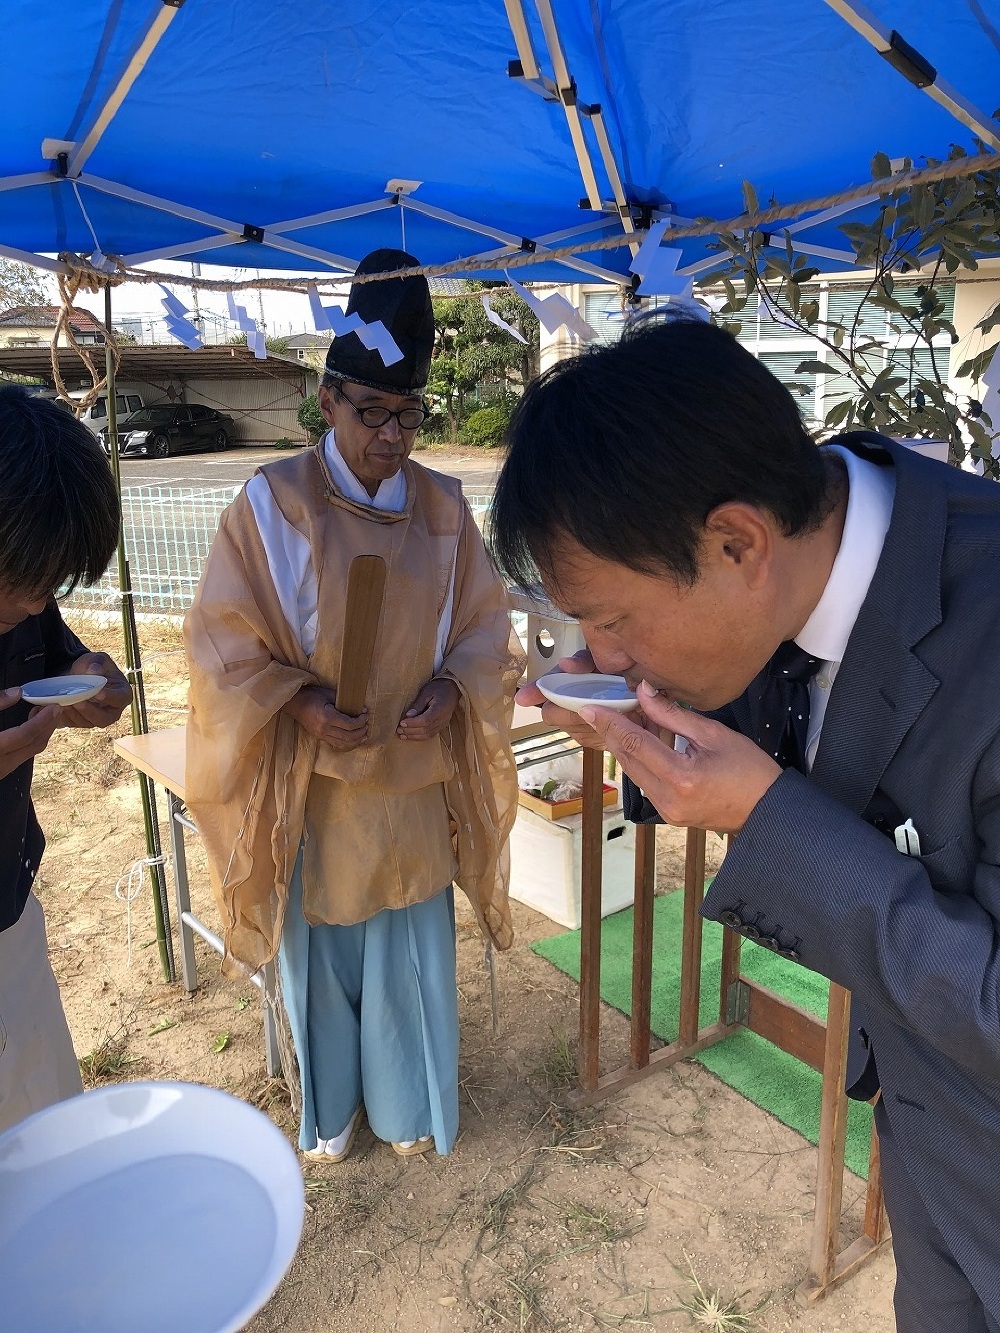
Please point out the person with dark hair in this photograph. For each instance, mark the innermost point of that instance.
(818, 629)
(59, 522)
(332, 837)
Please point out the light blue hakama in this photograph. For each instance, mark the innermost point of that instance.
(373, 1010)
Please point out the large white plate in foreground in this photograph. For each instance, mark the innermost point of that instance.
(573, 691)
(152, 1207)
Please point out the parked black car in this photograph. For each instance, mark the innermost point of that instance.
(158, 432)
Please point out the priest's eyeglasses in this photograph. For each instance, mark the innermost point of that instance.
(409, 418)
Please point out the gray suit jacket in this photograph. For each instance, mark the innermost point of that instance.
(912, 728)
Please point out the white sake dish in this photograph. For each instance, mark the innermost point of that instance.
(574, 692)
(65, 691)
(152, 1206)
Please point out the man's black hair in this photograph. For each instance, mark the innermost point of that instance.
(59, 509)
(628, 448)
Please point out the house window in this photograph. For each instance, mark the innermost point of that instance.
(603, 312)
(782, 349)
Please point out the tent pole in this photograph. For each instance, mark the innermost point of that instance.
(133, 661)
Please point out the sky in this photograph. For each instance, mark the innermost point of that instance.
(282, 313)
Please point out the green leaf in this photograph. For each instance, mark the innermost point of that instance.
(977, 365)
(220, 1043)
(775, 263)
(838, 414)
(881, 166)
(812, 368)
(750, 198)
(548, 788)
(164, 1025)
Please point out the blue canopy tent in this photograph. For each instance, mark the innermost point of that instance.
(283, 135)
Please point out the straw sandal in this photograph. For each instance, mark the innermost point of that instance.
(336, 1149)
(414, 1147)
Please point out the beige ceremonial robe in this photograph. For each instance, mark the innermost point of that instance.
(392, 822)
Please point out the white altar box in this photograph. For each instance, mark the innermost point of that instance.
(545, 859)
(548, 634)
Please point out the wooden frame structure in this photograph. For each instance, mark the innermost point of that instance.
(742, 1003)
(160, 755)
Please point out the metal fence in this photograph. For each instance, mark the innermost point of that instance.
(168, 530)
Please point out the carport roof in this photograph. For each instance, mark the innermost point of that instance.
(151, 364)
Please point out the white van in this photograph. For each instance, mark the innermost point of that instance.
(96, 415)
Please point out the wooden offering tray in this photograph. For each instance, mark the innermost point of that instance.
(560, 809)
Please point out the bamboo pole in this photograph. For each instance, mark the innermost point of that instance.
(133, 661)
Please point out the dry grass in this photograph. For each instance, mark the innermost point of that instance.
(583, 1223)
(709, 1309)
(558, 1065)
(111, 1058)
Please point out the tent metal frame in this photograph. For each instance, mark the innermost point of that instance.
(71, 157)
(916, 68)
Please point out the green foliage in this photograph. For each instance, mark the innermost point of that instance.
(20, 284)
(435, 429)
(934, 229)
(310, 418)
(273, 346)
(469, 351)
(487, 426)
(284, 443)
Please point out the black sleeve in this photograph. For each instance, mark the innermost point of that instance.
(62, 647)
(635, 806)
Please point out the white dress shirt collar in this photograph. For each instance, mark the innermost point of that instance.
(390, 496)
(871, 491)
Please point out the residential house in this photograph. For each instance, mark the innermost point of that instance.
(34, 325)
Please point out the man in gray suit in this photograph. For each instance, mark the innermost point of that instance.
(822, 628)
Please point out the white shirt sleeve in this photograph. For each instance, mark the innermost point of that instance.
(289, 558)
(444, 623)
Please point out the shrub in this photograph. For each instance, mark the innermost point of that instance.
(435, 429)
(284, 443)
(310, 418)
(487, 426)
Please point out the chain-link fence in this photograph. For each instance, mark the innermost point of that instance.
(168, 530)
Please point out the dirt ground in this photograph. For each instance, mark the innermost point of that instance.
(673, 1205)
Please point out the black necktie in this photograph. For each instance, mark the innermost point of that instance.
(783, 716)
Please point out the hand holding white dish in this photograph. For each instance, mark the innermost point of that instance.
(64, 691)
(574, 692)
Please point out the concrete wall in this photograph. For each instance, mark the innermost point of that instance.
(975, 296)
(263, 408)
